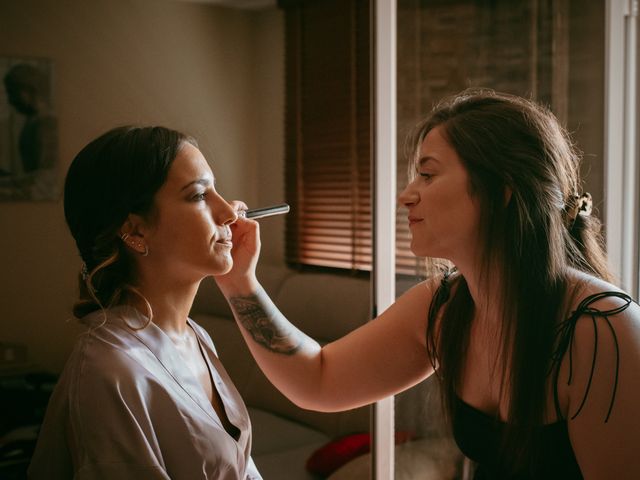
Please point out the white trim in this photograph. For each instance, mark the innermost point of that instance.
(613, 138)
(630, 205)
(384, 85)
(621, 189)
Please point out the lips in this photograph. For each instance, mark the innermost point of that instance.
(224, 236)
(414, 220)
(224, 241)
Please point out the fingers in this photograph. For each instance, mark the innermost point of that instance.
(240, 207)
(244, 227)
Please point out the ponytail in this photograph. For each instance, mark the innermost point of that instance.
(106, 286)
(585, 245)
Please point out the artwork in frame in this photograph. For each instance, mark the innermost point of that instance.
(28, 130)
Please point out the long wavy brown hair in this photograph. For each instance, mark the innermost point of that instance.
(508, 143)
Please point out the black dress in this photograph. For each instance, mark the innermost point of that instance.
(479, 435)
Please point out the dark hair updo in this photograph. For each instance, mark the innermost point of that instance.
(116, 174)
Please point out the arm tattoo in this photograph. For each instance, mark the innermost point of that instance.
(267, 328)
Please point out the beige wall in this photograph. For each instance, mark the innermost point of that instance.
(267, 135)
(214, 73)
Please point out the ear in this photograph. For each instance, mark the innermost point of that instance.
(132, 233)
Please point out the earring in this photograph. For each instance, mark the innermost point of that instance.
(84, 271)
(124, 237)
(146, 249)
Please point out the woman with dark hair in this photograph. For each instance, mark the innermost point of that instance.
(536, 351)
(144, 395)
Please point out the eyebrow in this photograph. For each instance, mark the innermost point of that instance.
(422, 160)
(205, 182)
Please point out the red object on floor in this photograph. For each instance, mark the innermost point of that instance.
(330, 457)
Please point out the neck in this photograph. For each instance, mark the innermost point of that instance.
(170, 304)
(485, 290)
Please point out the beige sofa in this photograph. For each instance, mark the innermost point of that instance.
(326, 307)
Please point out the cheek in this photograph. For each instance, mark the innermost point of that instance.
(469, 218)
(179, 228)
(452, 209)
(444, 203)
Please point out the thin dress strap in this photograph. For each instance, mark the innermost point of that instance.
(565, 334)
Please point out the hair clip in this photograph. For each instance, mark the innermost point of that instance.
(579, 205)
(585, 204)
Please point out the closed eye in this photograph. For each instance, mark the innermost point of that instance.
(427, 176)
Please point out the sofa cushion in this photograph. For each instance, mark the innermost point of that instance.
(281, 445)
(272, 433)
(285, 465)
(324, 306)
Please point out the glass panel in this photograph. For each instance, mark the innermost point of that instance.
(550, 50)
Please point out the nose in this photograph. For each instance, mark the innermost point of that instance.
(408, 197)
(223, 212)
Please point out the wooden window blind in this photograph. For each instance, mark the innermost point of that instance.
(328, 140)
(328, 146)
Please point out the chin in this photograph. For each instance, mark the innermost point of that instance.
(430, 248)
(225, 268)
(421, 251)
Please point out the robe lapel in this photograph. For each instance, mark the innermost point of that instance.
(169, 359)
(231, 399)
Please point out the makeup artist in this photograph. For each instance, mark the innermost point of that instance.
(536, 350)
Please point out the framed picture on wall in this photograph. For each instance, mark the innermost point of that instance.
(28, 131)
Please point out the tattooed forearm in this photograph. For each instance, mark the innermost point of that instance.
(267, 326)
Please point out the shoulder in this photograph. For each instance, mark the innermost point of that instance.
(99, 387)
(423, 289)
(594, 301)
(440, 284)
(421, 302)
(602, 335)
(600, 376)
(581, 285)
(100, 366)
(109, 352)
(418, 298)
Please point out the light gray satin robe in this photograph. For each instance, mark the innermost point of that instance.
(127, 407)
